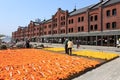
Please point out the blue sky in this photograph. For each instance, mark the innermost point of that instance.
(14, 13)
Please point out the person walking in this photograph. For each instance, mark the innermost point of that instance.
(70, 45)
(118, 43)
(27, 44)
(66, 46)
(78, 43)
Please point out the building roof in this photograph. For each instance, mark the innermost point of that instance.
(105, 3)
(43, 21)
(94, 6)
(97, 5)
(80, 10)
(49, 20)
(109, 2)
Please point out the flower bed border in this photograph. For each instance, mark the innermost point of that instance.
(87, 69)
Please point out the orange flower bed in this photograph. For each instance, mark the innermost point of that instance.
(32, 64)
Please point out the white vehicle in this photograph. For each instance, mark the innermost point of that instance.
(118, 45)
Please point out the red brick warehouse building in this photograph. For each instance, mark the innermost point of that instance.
(97, 24)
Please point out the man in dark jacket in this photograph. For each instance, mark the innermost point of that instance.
(66, 46)
(27, 44)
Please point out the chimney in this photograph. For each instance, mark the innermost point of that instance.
(74, 8)
(59, 9)
(103, 0)
(67, 11)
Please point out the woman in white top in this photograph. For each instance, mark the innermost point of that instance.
(70, 45)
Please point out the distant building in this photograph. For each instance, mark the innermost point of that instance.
(6, 39)
(37, 20)
(96, 24)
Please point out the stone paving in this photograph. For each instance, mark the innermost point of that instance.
(107, 71)
(98, 48)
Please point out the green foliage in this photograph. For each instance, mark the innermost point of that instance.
(2, 47)
(42, 45)
(20, 46)
(1, 35)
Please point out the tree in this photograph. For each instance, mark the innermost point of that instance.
(1, 36)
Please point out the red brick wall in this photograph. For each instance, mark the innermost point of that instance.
(36, 30)
(61, 25)
(111, 18)
(61, 22)
(83, 23)
(49, 28)
(72, 24)
(93, 13)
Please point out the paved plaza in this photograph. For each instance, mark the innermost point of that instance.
(107, 71)
(82, 47)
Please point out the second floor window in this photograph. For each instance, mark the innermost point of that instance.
(49, 26)
(91, 18)
(78, 29)
(96, 27)
(44, 33)
(45, 27)
(49, 32)
(91, 27)
(63, 31)
(62, 17)
(62, 23)
(113, 25)
(70, 30)
(114, 12)
(107, 25)
(82, 18)
(96, 17)
(78, 19)
(54, 32)
(108, 13)
(82, 28)
(71, 21)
